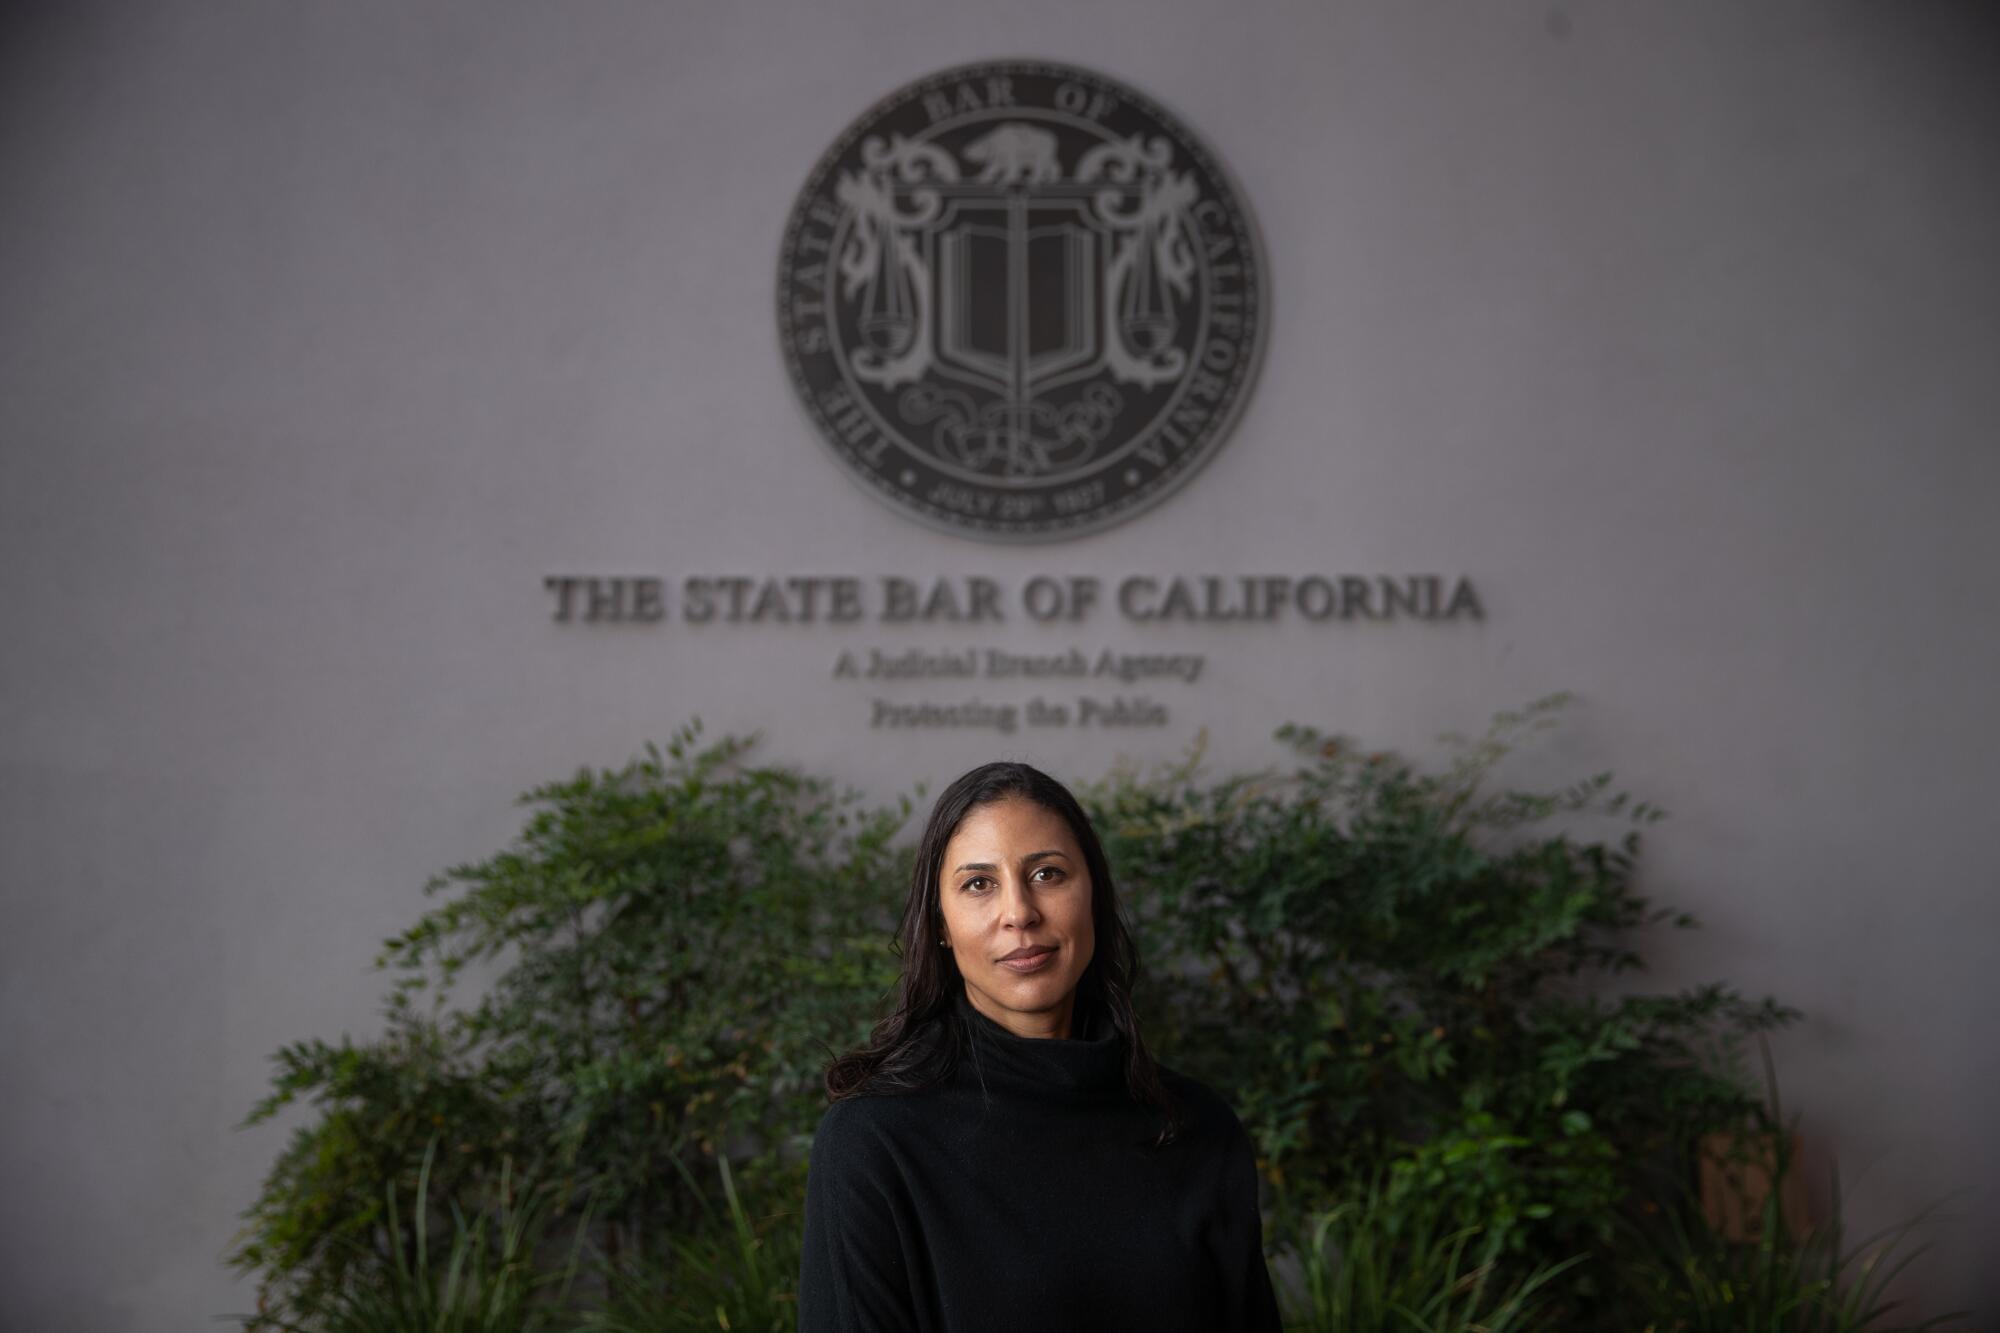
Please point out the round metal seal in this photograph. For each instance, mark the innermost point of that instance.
(1020, 300)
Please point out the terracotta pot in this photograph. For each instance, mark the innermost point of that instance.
(1736, 1175)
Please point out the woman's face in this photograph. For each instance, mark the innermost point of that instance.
(1016, 900)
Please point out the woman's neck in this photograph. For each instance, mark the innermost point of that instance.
(1090, 1061)
(1058, 1022)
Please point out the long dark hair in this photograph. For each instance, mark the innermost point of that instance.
(916, 1045)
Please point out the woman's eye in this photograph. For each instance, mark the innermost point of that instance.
(974, 885)
(1051, 871)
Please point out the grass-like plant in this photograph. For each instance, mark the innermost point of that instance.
(733, 1273)
(1382, 1263)
(1686, 1275)
(489, 1279)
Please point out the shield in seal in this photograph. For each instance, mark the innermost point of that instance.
(1020, 301)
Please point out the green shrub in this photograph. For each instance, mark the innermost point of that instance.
(1398, 971)
(683, 942)
(1398, 977)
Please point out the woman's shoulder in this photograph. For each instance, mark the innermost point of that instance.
(866, 1121)
(1206, 1114)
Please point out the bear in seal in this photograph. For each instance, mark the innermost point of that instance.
(1015, 154)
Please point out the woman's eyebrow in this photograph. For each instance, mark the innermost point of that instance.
(1031, 856)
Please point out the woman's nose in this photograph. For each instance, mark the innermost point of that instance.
(1017, 907)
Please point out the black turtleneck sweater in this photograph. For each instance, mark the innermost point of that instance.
(1024, 1193)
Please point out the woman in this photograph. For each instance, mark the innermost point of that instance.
(1004, 1154)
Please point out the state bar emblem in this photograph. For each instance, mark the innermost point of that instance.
(1020, 300)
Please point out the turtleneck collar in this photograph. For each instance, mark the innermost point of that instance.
(1092, 1061)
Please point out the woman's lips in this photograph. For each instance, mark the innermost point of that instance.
(1033, 962)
